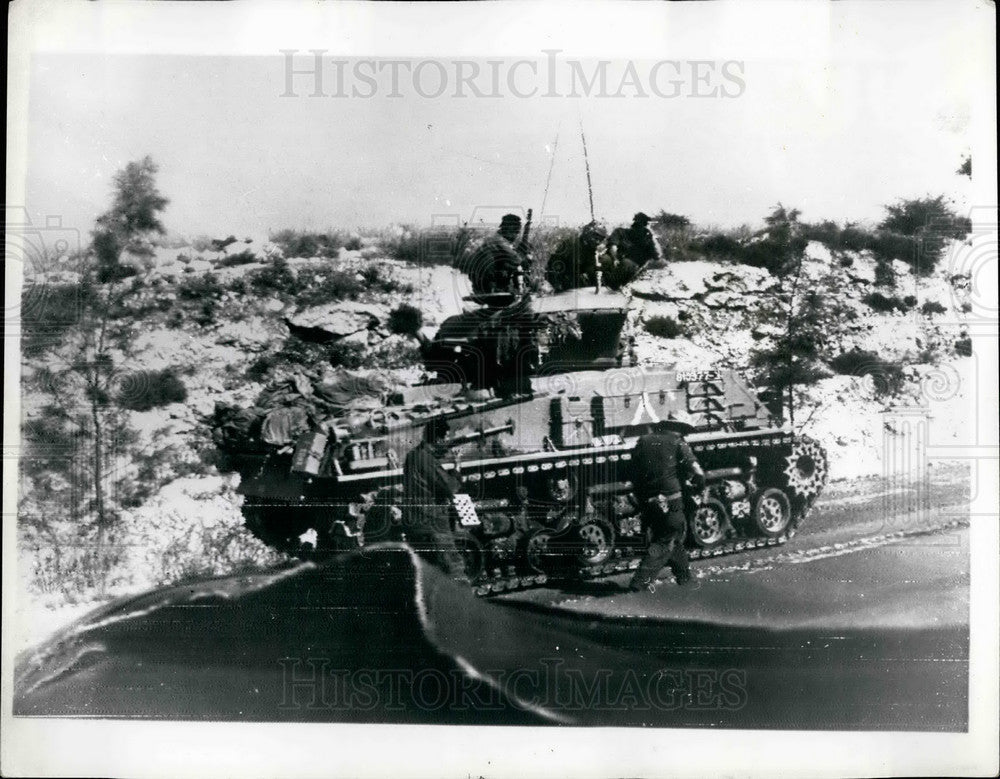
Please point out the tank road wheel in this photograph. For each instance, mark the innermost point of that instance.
(708, 524)
(598, 542)
(772, 513)
(472, 553)
(806, 468)
(537, 548)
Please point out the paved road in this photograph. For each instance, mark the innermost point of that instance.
(860, 622)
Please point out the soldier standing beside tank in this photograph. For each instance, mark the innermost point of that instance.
(429, 491)
(659, 461)
(500, 259)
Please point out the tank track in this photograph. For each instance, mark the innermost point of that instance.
(494, 585)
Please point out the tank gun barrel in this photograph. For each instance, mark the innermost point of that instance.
(480, 434)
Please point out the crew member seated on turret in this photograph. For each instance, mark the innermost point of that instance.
(630, 249)
(500, 260)
(574, 261)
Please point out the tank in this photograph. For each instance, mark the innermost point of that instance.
(544, 403)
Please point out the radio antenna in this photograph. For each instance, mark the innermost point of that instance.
(586, 162)
(548, 179)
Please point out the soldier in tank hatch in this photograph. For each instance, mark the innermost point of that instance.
(498, 261)
(630, 249)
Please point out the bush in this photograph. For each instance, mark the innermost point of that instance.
(244, 257)
(664, 327)
(887, 375)
(718, 246)
(375, 278)
(885, 274)
(916, 231)
(888, 246)
(405, 319)
(353, 244)
(275, 277)
(932, 307)
(883, 304)
(145, 390)
(667, 221)
(299, 243)
(206, 285)
(314, 286)
(963, 347)
(347, 354)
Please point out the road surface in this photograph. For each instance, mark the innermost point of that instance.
(859, 622)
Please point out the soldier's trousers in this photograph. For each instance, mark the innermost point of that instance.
(667, 529)
(429, 533)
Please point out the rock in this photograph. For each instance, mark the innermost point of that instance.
(341, 318)
(695, 280)
(199, 266)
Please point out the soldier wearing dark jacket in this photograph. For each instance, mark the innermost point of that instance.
(429, 491)
(495, 265)
(660, 461)
(631, 248)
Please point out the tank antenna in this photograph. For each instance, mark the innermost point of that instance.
(548, 180)
(586, 162)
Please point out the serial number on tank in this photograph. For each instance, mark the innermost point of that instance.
(690, 376)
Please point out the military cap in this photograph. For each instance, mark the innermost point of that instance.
(642, 218)
(510, 219)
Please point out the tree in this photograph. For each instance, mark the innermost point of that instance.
(79, 381)
(809, 322)
(131, 220)
(929, 222)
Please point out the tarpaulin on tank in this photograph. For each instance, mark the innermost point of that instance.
(287, 407)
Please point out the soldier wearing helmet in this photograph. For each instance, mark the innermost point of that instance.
(498, 261)
(630, 249)
(573, 263)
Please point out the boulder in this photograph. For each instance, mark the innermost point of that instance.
(341, 318)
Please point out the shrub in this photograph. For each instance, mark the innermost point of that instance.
(314, 286)
(145, 390)
(889, 246)
(244, 257)
(664, 327)
(206, 285)
(927, 223)
(963, 347)
(885, 274)
(910, 301)
(932, 307)
(887, 375)
(409, 246)
(353, 243)
(405, 319)
(719, 246)
(669, 221)
(879, 302)
(275, 277)
(376, 279)
(347, 354)
(300, 243)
